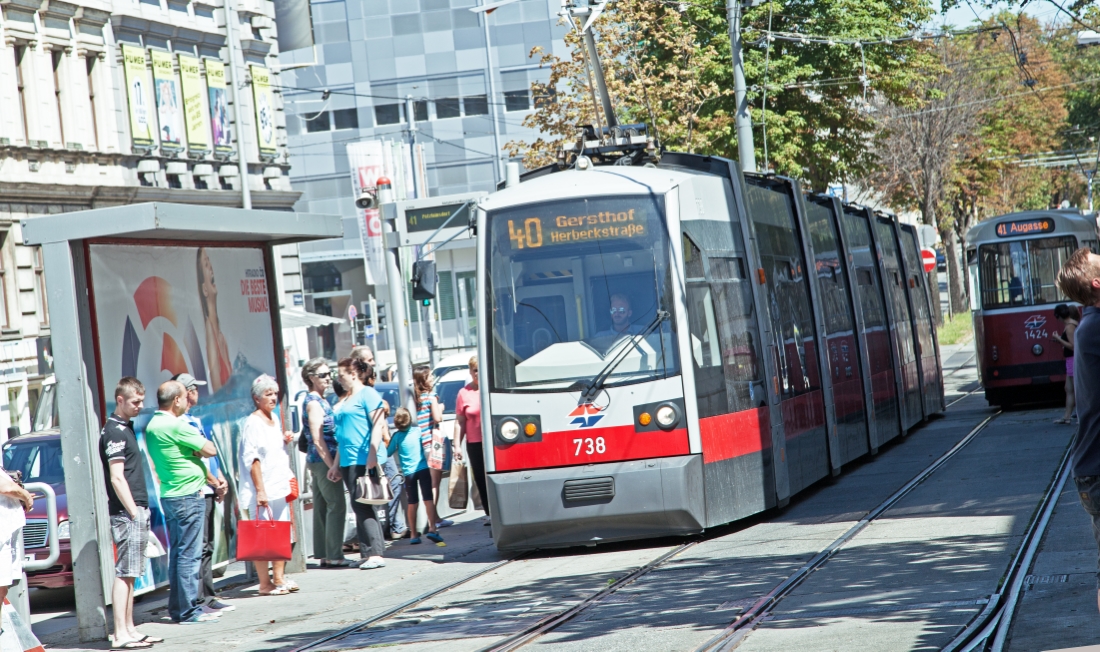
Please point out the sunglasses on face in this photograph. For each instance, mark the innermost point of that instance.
(618, 311)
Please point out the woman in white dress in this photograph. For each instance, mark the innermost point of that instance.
(265, 475)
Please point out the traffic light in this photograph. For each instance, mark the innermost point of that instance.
(427, 303)
(423, 280)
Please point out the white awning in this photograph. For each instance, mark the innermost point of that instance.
(294, 318)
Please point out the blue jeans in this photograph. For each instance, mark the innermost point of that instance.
(395, 512)
(184, 517)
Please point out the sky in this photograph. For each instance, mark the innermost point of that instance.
(963, 15)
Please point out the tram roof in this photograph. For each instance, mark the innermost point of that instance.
(1071, 221)
(595, 181)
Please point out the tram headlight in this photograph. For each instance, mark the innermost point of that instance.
(667, 416)
(509, 430)
(1037, 349)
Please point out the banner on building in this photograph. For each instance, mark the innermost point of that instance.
(263, 101)
(194, 113)
(169, 102)
(219, 107)
(293, 25)
(367, 163)
(133, 65)
(162, 311)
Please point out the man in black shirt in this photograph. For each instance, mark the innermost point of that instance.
(128, 505)
(1079, 279)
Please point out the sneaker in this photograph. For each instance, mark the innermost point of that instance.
(201, 618)
(434, 536)
(403, 534)
(221, 605)
(414, 541)
(368, 565)
(445, 523)
(211, 611)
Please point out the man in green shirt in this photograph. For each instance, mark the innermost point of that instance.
(177, 449)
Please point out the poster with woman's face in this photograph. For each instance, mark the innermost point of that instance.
(162, 311)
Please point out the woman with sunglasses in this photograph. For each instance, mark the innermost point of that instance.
(323, 460)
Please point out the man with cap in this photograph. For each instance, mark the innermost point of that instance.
(214, 491)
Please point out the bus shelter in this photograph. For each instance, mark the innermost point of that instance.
(152, 290)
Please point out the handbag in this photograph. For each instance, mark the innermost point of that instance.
(373, 490)
(263, 540)
(303, 442)
(293, 490)
(460, 486)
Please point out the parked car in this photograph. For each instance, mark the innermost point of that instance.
(38, 456)
(453, 362)
(941, 261)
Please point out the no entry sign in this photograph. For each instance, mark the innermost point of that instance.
(928, 257)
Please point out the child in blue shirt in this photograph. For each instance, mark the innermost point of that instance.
(406, 443)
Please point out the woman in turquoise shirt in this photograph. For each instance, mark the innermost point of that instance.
(406, 443)
(360, 423)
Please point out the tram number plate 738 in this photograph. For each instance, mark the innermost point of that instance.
(590, 446)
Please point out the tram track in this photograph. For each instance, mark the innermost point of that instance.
(730, 637)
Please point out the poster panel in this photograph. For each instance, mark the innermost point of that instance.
(367, 165)
(133, 65)
(161, 311)
(194, 111)
(169, 104)
(263, 100)
(219, 107)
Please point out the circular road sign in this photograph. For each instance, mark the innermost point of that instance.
(928, 257)
(353, 313)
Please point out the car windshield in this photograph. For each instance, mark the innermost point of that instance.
(390, 396)
(40, 461)
(448, 392)
(570, 282)
(1023, 272)
(45, 413)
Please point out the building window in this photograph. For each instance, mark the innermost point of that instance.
(58, 62)
(20, 57)
(476, 105)
(388, 114)
(40, 288)
(90, 63)
(317, 122)
(517, 100)
(420, 110)
(448, 107)
(345, 119)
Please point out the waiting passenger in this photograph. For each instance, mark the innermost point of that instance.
(1071, 317)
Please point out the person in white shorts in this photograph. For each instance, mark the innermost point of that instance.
(15, 502)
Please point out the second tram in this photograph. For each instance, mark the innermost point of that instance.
(675, 345)
(1013, 262)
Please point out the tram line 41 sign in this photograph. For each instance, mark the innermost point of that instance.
(1025, 227)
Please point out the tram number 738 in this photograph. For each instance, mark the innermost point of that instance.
(590, 446)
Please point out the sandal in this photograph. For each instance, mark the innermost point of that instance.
(130, 645)
(151, 639)
(1062, 421)
(290, 585)
(343, 563)
(278, 590)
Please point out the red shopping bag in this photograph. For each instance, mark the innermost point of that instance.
(266, 540)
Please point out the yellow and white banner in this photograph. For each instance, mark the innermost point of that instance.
(194, 108)
(169, 103)
(263, 100)
(137, 82)
(219, 107)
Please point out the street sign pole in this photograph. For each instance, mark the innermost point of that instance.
(398, 319)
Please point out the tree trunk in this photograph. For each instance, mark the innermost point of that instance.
(954, 274)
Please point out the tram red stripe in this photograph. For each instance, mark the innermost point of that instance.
(727, 436)
(620, 444)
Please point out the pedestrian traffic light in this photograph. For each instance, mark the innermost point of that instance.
(423, 280)
(427, 303)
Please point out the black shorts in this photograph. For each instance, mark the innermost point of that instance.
(421, 481)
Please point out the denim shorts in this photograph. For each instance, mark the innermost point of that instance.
(1088, 490)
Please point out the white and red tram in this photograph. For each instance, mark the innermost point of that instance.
(671, 347)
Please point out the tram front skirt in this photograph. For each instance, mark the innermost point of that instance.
(597, 503)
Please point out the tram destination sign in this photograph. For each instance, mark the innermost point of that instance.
(416, 220)
(1025, 227)
(549, 230)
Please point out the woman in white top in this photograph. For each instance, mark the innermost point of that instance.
(265, 474)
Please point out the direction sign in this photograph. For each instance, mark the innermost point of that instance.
(928, 256)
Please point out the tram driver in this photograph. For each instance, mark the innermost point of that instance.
(621, 325)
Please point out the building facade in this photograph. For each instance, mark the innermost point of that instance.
(371, 57)
(104, 103)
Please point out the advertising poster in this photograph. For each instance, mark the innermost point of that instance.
(169, 103)
(264, 102)
(194, 113)
(367, 165)
(133, 65)
(161, 311)
(219, 107)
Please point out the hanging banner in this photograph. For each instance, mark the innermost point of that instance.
(219, 107)
(169, 103)
(263, 100)
(133, 65)
(367, 165)
(194, 113)
(205, 311)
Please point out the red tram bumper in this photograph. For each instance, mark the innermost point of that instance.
(597, 503)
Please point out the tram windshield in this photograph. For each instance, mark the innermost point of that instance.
(577, 289)
(1022, 272)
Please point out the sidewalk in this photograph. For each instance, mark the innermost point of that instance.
(329, 600)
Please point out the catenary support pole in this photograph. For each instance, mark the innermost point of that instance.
(236, 77)
(494, 110)
(743, 120)
(398, 316)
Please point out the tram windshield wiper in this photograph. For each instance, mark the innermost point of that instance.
(593, 388)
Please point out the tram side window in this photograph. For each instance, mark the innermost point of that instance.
(1022, 273)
